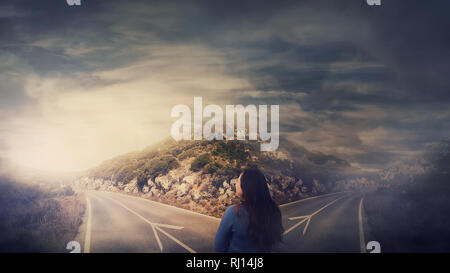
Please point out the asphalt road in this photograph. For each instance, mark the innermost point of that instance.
(334, 224)
(121, 223)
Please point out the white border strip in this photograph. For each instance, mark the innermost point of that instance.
(87, 239)
(362, 242)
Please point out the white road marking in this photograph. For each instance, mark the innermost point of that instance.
(87, 239)
(307, 218)
(309, 198)
(156, 235)
(168, 226)
(176, 240)
(362, 242)
(156, 226)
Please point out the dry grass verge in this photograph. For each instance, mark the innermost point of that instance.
(34, 220)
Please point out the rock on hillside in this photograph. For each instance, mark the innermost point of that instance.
(201, 175)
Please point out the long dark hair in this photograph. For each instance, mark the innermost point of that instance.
(264, 217)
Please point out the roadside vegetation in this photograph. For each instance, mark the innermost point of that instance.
(411, 213)
(38, 218)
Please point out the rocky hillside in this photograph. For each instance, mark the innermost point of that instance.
(201, 175)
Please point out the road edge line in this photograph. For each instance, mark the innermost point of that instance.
(362, 243)
(87, 238)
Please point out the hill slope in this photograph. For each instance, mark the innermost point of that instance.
(201, 175)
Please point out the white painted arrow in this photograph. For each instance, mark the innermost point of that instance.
(308, 217)
(158, 227)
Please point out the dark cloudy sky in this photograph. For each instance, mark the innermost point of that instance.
(81, 84)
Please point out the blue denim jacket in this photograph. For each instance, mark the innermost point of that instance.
(232, 233)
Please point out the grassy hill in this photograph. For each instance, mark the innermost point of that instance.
(200, 175)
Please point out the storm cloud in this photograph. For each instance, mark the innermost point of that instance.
(81, 84)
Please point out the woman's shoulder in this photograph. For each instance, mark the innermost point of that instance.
(229, 215)
(234, 210)
(230, 209)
